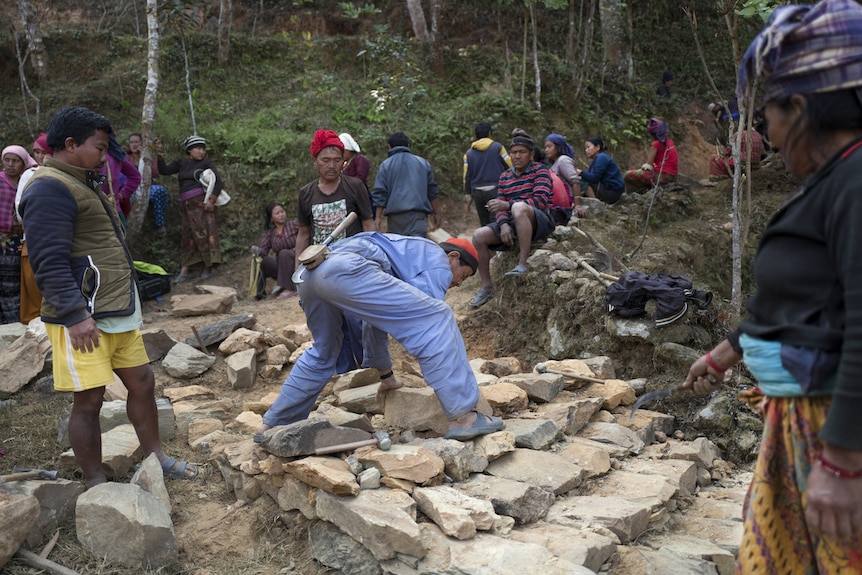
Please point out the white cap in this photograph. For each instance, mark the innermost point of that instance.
(349, 143)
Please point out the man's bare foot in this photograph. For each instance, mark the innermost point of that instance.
(386, 385)
(263, 428)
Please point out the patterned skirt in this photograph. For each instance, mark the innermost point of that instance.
(776, 539)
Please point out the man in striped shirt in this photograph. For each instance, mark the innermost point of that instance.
(520, 211)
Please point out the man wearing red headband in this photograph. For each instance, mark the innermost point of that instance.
(323, 204)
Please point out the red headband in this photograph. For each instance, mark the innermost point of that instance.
(325, 139)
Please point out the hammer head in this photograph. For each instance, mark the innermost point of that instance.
(313, 256)
(384, 442)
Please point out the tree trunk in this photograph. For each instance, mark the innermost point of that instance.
(417, 18)
(437, 7)
(142, 200)
(571, 34)
(536, 69)
(616, 37)
(35, 47)
(225, 17)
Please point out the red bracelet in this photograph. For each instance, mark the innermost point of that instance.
(711, 363)
(838, 472)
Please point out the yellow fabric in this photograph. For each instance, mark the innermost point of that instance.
(76, 371)
(776, 538)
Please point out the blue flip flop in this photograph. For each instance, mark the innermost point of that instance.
(481, 298)
(483, 425)
(518, 270)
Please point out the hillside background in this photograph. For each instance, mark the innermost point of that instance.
(295, 67)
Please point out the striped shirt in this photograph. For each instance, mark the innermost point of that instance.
(533, 187)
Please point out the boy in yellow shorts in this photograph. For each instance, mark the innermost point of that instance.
(90, 304)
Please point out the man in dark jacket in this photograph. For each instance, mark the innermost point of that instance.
(90, 307)
(405, 190)
(483, 164)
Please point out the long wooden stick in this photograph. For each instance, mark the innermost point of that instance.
(38, 562)
(200, 341)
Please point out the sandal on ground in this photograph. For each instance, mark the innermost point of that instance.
(180, 279)
(518, 270)
(286, 294)
(206, 275)
(483, 425)
(277, 289)
(173, 469)
(481, 298)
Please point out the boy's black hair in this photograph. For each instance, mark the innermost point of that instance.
(75, 122)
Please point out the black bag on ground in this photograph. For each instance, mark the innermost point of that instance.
(152, 286)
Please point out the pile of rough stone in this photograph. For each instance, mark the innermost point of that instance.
(572, 485)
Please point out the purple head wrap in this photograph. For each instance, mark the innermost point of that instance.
(806, 49)
(566, 148)
(658, 129)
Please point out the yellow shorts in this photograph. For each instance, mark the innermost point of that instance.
(76, 371)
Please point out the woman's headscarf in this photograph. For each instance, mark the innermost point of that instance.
(42, 142)
(658, 129)
(19, 151)
(806, 49)
(349, 143)
(565, 148)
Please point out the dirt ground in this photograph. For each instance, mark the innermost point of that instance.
(218, 535)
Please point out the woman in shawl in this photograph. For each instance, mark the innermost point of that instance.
(802, 339)
(561, 154)
(15, 161)
(200, 240)
(662, 165)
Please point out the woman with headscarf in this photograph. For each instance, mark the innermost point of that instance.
(561, 154)
(662, 165)
(15, 161)
(31, 297)
(355, 164)
(802, 339)
(200, 241)
(603, 179)
(122, 178)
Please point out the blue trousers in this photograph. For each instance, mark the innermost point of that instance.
(425, 326)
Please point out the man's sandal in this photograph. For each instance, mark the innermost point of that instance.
(173, 469)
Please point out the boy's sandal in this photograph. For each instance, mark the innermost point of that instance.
(481, 298)
(173, 469)
(180, 279)
(518, 270)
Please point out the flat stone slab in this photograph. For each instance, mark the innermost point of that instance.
(613, 434)
(540, 468)
(626, 519)
(533, 433)
(376, 519)
(218, 331)
(579, 546)
(521, 501)
(649, 489)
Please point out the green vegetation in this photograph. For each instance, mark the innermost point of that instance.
(260, 112)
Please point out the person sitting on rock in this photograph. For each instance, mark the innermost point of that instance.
(521, 213)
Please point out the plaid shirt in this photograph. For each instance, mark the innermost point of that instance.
(276, 242)
(7, 203)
